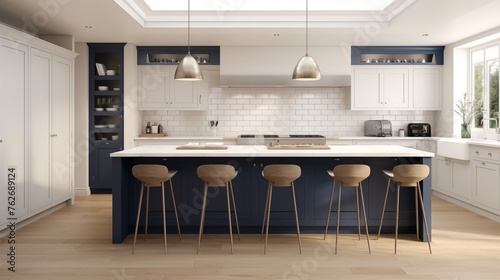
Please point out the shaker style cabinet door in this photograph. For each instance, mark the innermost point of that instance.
(13, 95)
(426, 88)
(367, 88)
(154, 87)
(60, 164)
(159, 90)
(379, 88)
(39, 124)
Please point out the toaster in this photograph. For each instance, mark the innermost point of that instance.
(419, 130)
(379, 128)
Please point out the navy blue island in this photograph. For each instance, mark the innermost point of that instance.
(312, 189)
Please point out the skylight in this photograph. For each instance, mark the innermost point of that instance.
(270, 5)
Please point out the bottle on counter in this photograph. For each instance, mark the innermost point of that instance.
(160, 128)
(148, 128)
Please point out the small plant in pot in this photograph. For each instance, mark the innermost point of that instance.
(467, 109)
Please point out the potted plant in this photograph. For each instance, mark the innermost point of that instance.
(467, 109)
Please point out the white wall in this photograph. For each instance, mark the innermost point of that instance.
(132, 115)
(81, 120)
(279, 110)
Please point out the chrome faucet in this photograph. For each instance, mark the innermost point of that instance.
(497, 129)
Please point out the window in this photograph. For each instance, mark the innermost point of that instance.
(484, 62)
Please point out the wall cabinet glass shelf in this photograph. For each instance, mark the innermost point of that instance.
(397, 55)
(171, 55)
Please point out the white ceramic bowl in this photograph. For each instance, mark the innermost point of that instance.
(114, 137)
(99, 109)
(110, 72)
(102, 88)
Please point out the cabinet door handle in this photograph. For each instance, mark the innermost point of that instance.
(1, 141)
(199, 99)
(489, 154)
(477, 153)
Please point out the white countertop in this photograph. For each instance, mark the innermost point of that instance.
(262, 151)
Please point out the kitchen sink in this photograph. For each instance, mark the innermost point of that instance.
(455, 148)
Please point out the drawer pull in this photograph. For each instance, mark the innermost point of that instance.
(489, 154)
(477, 153)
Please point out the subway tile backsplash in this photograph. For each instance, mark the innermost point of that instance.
(280, 111)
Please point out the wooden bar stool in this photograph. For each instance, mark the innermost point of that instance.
(406, 175)
(152, 175)
(349, 175)
(218, 175)
(280, 175)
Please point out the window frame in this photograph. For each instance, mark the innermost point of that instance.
(486, 83)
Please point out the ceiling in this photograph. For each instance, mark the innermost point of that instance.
(445, 22)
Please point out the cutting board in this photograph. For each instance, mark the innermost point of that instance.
(201, 147)
(299, 147)
(152, 135)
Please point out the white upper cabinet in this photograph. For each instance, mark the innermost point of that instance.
(379, 88)
(396, 87)
(426, 87)
(159, 90)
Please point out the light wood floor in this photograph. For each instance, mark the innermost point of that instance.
(75, 243)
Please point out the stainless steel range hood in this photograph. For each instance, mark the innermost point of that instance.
(282, 81)
(272, 66)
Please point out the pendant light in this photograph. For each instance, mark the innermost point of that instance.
(306, 69)
(188, 69)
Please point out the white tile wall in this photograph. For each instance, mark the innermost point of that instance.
(280, 111)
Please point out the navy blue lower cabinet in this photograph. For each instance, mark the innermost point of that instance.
(312, 191)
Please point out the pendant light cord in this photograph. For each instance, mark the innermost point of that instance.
(307, 27)
(189, 26)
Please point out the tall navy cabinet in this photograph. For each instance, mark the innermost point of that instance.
(105, 111)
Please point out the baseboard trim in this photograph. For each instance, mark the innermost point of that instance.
(34, 218)
(82, 192)
(470, 207)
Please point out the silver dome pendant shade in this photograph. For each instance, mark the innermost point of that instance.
(306, 69)
(188, 69)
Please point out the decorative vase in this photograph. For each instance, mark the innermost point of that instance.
(465, 130)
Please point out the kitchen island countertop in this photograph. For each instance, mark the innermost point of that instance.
(263, 151)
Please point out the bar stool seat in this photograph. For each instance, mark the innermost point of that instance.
(280, 175)
(218, 175)
(406, 175)
(151, 176)
(349, 175)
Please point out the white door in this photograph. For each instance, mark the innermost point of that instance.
(395, 89)
(367, 88)
(486, 184)
(184, 94)
(442, 174)
(427, 88)
(461, 180)
(154, 87)
(39, 132)
(13, 94)
(60, 109)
